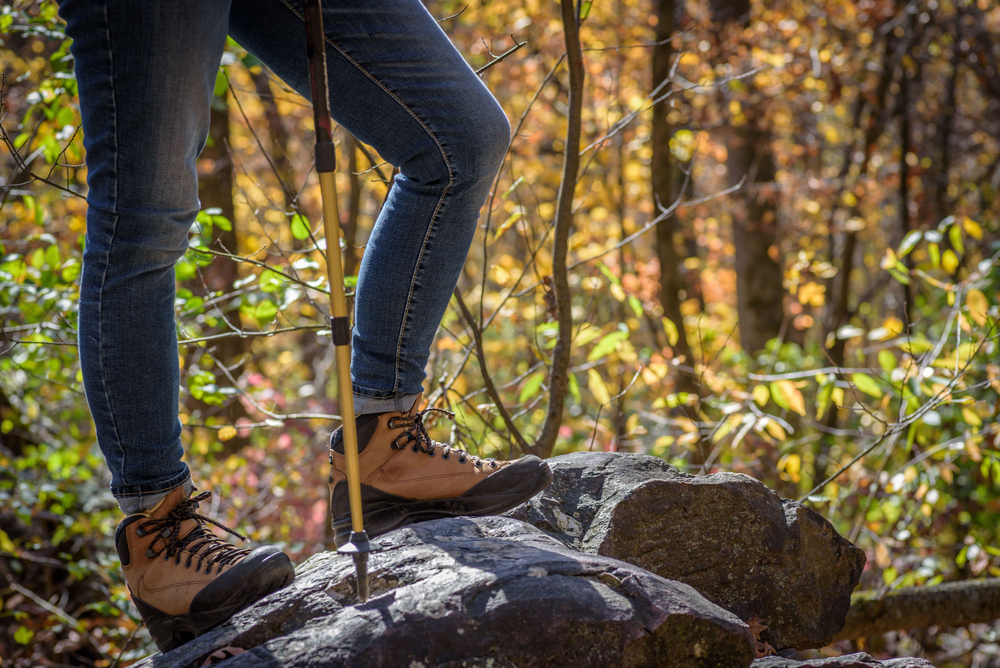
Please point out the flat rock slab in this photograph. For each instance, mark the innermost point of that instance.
(859, 660)
(477, 592)
(726, 534)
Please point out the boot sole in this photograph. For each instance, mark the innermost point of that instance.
(383, 512)
(273, 572)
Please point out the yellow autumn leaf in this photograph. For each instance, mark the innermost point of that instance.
(978, 306)
(788, 396)
(227, 433)
(972, 228)
(949, 261)
(597, 387)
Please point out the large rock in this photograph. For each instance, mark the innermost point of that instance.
(726, 535)
(485, 592)
(858, 660)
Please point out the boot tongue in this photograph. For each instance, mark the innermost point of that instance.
(168, 503)
(164, 507)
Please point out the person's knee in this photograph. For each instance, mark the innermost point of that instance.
(483, 145)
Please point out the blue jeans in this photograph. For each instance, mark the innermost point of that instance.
(146, 73)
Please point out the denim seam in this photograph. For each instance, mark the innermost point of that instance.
(372, 396)
(166, 487)
(437, 209)
(104, 276)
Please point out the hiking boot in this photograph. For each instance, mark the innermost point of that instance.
(183, 578)
(406, 477)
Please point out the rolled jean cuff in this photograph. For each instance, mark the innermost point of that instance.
(368, 405)
(146, 500)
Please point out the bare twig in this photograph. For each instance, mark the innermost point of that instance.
(491, 390)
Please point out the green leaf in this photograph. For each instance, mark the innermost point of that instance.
(185, 270)
(585, 9)
(52, 257)
(265, 311)
(607, 273)
(513, 187)
(636, 305)
(899, 276)
(606, 345)
(671, 329)
(6, 544)
(270, 281)
(867, 384)
(909, 242)
(221, 83)
(823, 399)
(23, 635)
(531, 386)
(222, 223)
(300, 227)
(65, 117)
(786, 395)
(935, 253)
(886, 360)
(955, 235)
(574, 388)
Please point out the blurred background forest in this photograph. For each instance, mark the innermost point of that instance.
(778, 258)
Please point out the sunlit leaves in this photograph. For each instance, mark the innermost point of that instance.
(597, 387)
(866, 384)
(788, 396)
(300, 227)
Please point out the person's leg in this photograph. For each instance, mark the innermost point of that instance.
(146, 72)
(398, 84)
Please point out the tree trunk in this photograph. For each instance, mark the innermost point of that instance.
(278, 157)
(215, 189)
(559, 364)
(666, 178)
(951, 604)
(759, 289)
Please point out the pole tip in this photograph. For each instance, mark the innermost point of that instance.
(361, 566)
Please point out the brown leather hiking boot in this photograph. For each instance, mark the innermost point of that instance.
(183, 578)
(406, 477)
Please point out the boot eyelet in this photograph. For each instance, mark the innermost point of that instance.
(478, 465)
(139, 532)
(415, 448)
(391, 423)
(430, 454)
(462, 460)
(493, 465)
(448, 456)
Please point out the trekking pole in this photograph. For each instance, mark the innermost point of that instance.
(340, 328)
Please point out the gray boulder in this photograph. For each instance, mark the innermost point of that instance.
(858, 660)
(726, 535)
(483, 592)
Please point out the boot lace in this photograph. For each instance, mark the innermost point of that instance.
(200, 541)
(418, 440)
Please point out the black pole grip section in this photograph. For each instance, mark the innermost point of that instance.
(340, 328)
(316, 55)
(326, 157)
